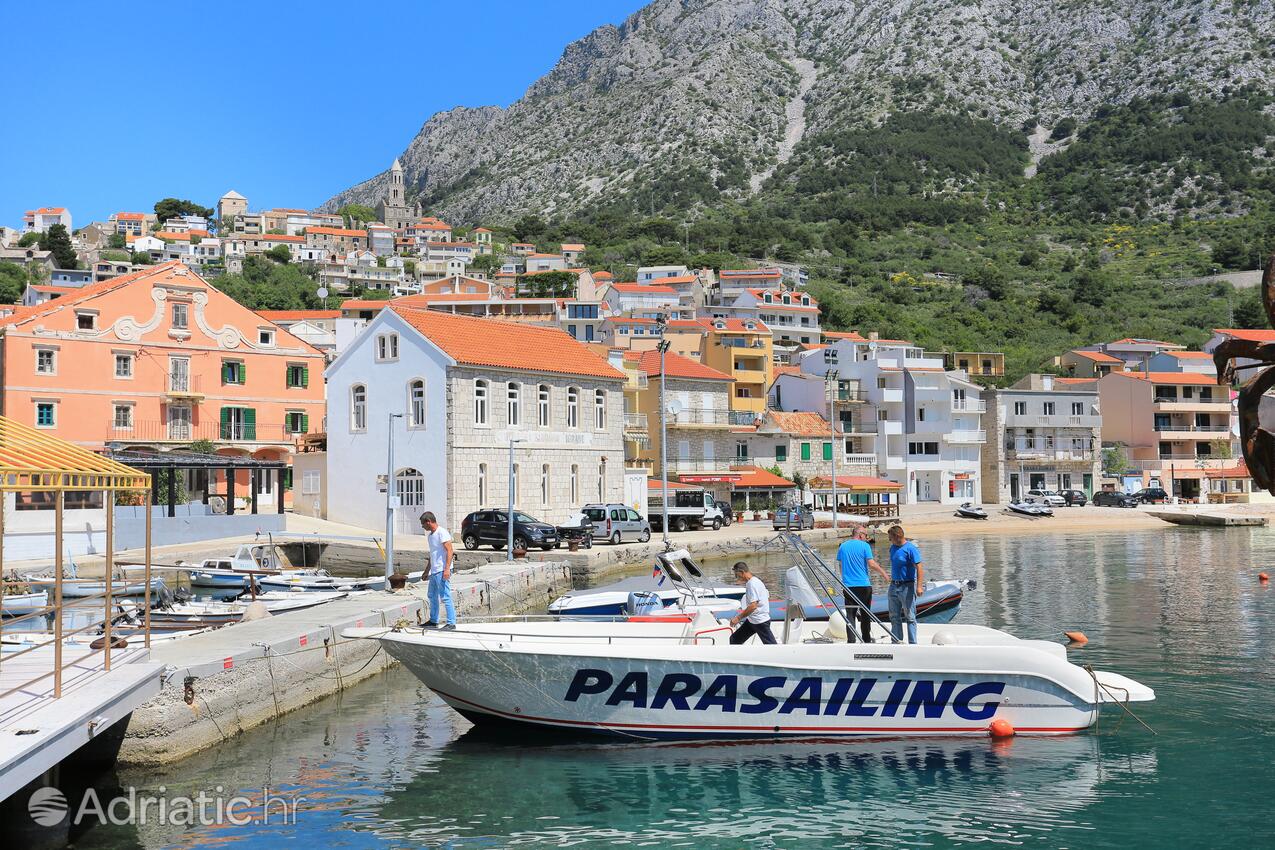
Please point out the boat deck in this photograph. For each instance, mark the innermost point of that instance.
(37, 731)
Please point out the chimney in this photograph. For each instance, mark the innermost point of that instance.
(873, 336)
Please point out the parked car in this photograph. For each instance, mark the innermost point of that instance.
(617, 523)
(1046, 497)
(1151, 495)
(1074, 497)
(794, 516)
(1112, 499)
(492, 527)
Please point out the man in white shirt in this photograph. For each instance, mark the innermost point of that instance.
(440, 571)
(754, 617)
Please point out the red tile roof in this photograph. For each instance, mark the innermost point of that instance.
(655, 485)
(603, 275)
(1190, 355)
(677, 366)
(1133, 340)
(755, 476)
(271, 237)
(800, 423)
(507, 345)
(49, 211)
(1253, 335)
(674, 279)
(1171, 378)
(643, 289)
(1097, 356)
(777, 299)
(850, 335)
(298, 315)
(363, 304)
(572, 246)
(130, 216)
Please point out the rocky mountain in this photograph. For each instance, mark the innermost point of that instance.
(689, 100)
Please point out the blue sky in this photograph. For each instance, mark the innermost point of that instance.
(114, 107)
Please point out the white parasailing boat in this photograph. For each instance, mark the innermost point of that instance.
(672, 678)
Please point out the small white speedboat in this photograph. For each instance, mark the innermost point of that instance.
(212, 611)
(18, 604)
(78, 588)
(969, 510)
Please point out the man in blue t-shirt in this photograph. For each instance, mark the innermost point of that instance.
(905, 577)
(856, 557)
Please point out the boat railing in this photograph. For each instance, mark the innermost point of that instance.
(542, 637)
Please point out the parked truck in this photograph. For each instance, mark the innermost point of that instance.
(689, 507)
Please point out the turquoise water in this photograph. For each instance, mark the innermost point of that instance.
(386, 765)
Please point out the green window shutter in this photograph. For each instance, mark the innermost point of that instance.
(287, 377)
(305, 423)
(243, 373)
(781, 452)
(805, 451)
(305, 376)
(827, 451)
(287, 478)
(225, 372)
(250, 423)
(225, 423)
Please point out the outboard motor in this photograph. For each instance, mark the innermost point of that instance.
(642, 602)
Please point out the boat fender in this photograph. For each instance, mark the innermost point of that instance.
(1001, 728)
(945, 638)
(1077, 638)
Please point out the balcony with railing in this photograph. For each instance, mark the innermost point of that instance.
(1044, 450)
(965, 437)
(858, 461)
(679, 465)
(858, 426)
(969, 405)
(178, 431)
(1189, 427)
(635, 422)
(1215, 402)
(744, 418)
(849, 395)
(181, 385)
(698, 417)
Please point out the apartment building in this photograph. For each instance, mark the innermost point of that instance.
(731, 283)
(977, 365)
(457, 392)
(742, 349)
(126, 223)
(793, 317)
(652, 274)
(1177, 428)
(336, 240)
(159, 358)
(639, 299)
(1042, 435)
(39, 221)
(701, 449)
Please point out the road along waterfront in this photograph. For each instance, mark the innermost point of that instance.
(386, 764)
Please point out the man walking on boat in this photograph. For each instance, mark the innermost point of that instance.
(754, 617)
(905, 578)
(440, 571)
(856, 558)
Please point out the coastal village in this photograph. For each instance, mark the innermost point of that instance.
(538, 356)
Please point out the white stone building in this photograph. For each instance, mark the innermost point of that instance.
(464, 388)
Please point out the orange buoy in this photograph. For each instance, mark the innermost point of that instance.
(1001, 728)
(1076, 637)
(1263, 578)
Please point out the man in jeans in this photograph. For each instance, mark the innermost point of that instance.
(906, 571)
(856, 558)
(440, 571)
(754, 617)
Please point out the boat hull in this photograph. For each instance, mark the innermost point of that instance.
(702, 692)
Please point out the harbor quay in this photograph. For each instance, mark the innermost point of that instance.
(218, 684)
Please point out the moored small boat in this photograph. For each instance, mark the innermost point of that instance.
(969, 510)
(17, 604)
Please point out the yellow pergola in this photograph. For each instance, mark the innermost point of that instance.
(34, 461)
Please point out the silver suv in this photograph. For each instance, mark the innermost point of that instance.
(617, 523)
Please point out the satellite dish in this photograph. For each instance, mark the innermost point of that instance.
(872, 346)
(323, 292)
(674, 407)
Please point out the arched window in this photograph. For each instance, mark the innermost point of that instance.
(480, 402)
(542, 406)
(600, 409)
(514, 403)
(416, 404)
(544, 485)
(409, 486)
(575, 485)
(573, 407)
(482, 484)
(358, 408)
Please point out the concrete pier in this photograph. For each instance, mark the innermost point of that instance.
(223, 682)
(1210, 518)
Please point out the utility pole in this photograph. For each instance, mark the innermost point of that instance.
(509, 523)
(389, 498)
(663, 348)
(832, 395)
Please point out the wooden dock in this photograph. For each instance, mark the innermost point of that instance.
(38, 731)
(1218, 520)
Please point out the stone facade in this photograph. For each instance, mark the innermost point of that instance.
(478, 454)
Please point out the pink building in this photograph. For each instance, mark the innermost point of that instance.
(158, 359)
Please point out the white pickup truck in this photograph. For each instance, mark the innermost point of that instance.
(688, 508)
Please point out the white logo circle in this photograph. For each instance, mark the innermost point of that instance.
(47, 806)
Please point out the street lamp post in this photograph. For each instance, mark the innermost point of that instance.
(389, 498)
(663, 348)
(832, 394)
(509, 525)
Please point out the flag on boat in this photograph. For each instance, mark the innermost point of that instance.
(657, 573)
